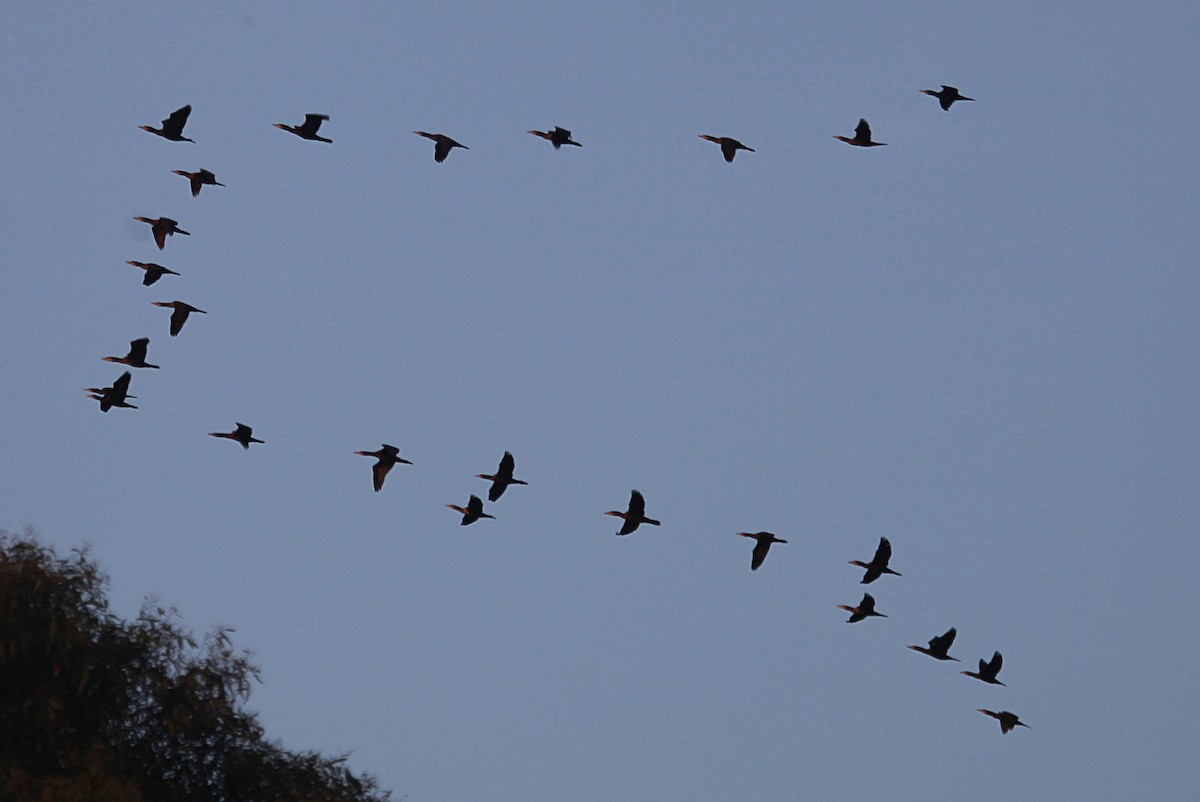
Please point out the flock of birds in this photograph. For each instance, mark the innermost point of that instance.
(388, 456)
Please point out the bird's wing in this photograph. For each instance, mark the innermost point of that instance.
(994, 666)
(475, 505)
(883, 553)
(760, 553)
(160, 236)
(380, 472)
(507, 464)
(137, 349)
(312, 122)
(174, 124)
(121, 386)
(441, 150)
(863, 131)
(637, 505)
(178, 318)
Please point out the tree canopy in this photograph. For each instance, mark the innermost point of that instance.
(95, 708)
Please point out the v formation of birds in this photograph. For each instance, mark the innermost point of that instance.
(388, 456)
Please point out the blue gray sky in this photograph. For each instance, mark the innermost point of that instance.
(979, 341)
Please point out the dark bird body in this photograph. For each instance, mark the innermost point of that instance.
(153, 272)
(242, 434)
(862, 137)
(558, 137)
(308, 128)
(879, 563)
(729, 146)
(1008, 721)
(946, 97)
(388, 457)
(114, 396)
(939, 647)
(172, 127)
(162, 227)
(442, 145)
(472, 512)
(635, 516)
(199, 179)
(864, 610)
(180, 315)
(502, 478)
(761, 547)
(988, 670)
(136, 358)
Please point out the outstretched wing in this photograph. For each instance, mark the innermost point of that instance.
(863, 131)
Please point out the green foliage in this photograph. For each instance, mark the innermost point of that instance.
(94, 708)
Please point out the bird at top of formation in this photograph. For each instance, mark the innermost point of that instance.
(388, 456)
(947, 96)
(180, 315)
(635, 516)
(442, 145)
(502, 478)
(308, 128)
(729, 145)
(1007, 720)
(765, 539)
(162, 227)
(862, 137)
(939, 647)
(199, 179)
(242, 434)
(153, 272)
(879, 563)
(472, 512)
(865, 609)
(558, 137)
(172, 127)
(114, 396)
(136, 358)
(988, 670)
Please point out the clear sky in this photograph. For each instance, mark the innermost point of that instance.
(979, 341)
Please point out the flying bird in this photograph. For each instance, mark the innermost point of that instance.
(865, 609)
(172, 127)
(114, 396)
(502, 478)
(939, 647)
(765, 539)
(988, 670)
(879, 563)
(199, 179)
(307, 129)
(1007, 720)
(136, 358)
(162, 227)
(946, 97)
(442, 145)
(862, 137)
(729, 146)
(242, 434)
(180, 315)
(635, 516)
(558, 137)
(388, 456)
(153, 272)
(472, 512)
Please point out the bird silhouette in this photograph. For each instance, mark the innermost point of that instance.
(988, 670)
(199, 179)
(946, 96)
(242, 434)
(729, 146)
(180, 315)
(388, 457)
(865, 609)
(442, 145)
(1008, 721)
(765, 539)
(862, 137)
(162, 227)
(558, 137)
(940, 646)
(879, 563)
(472, 512)
(136, 358)
(172, 127)
(153, 272)
(114, 396)
(502, 478)
(308, 128)
(635, 516)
